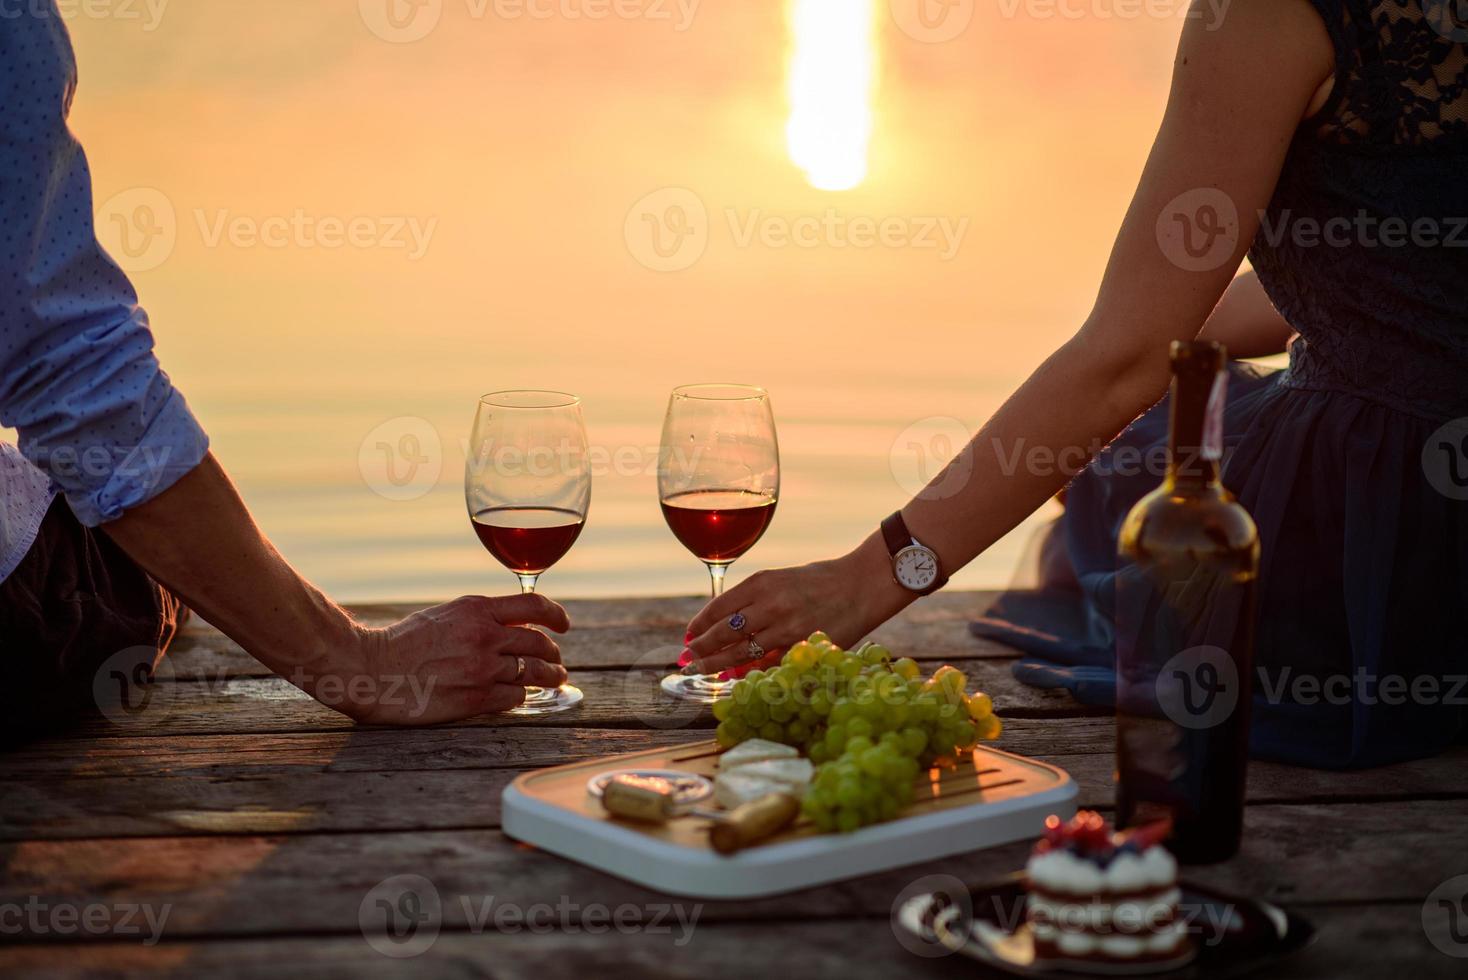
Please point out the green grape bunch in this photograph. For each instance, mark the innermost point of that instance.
(870, 724)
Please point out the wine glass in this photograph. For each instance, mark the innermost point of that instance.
(718, 482)
(527, 483)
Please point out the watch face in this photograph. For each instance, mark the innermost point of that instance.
(916, 568)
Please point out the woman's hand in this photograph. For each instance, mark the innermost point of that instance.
(445, 663)
(846, 597)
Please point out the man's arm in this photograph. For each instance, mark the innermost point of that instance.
(199, 540)
(459, 659)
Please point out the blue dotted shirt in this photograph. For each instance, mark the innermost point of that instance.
(78, 378)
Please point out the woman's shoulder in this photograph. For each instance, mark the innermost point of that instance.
(1401, 75)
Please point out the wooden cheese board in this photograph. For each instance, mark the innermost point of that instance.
(990, 798)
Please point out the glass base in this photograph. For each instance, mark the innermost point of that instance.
(547, 700)
(703, 688)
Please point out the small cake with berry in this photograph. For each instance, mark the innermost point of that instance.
(1100, 897)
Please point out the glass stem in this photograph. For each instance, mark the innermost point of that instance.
(527, 587)
(716, 579)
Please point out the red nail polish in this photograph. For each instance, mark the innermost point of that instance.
(688, 637)
(685, 658)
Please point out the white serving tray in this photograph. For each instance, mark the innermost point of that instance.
(993, 798)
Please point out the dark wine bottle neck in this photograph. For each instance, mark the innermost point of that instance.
(1194, 439)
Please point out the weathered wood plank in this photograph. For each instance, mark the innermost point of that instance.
(309, 799)
(1375, 941)
(623, 633)
(359, 750)
(255, 885)
(614, 699)
(407, 749)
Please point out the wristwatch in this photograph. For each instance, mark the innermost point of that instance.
(915, 566)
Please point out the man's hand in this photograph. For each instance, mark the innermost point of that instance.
(443, 664)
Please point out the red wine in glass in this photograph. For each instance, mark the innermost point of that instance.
(527, 485)
(528, 540)
(719, 525)
(718, 481)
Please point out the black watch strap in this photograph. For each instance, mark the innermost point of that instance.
(896, 534)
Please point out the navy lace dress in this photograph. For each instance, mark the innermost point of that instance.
(1354, 460)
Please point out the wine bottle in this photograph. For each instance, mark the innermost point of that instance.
(1185, 630)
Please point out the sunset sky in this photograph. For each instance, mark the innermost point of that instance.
(519, 150)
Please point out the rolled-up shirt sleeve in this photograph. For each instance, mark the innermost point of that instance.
(78, 377)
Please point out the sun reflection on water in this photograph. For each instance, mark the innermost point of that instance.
(832, 68)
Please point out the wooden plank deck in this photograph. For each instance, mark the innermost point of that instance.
(260, 821)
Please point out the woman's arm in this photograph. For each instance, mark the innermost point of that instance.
(1239, 92)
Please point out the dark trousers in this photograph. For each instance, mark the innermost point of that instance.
(71, 613)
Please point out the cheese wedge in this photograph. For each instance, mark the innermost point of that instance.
(732, 789)
(756, 750)
(796, 772)
(749, 782)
